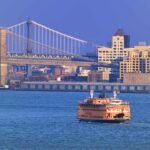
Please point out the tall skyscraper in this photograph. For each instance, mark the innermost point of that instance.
(119, 49)
(120, 40)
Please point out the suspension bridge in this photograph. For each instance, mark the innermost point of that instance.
(30, 43)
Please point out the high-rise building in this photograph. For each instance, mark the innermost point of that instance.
(138, 60)
(120, 40)
(128, 59)
(119, 49)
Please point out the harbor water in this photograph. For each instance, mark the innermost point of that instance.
(47, 121)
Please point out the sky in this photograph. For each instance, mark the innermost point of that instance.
(91, 20)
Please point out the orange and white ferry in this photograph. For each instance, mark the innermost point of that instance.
(103, 109)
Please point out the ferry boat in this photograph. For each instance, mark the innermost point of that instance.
(104, 109)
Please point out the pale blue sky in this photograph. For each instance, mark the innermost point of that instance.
(91, 20)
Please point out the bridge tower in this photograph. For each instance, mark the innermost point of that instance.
(29, 32)
(29, 45)
(3, 58)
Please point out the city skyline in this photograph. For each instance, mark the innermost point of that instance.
(94, 21)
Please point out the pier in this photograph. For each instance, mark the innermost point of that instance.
(85, 86)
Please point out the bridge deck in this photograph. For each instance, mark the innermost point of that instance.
(46, 61)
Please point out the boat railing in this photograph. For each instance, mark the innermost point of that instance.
(127, 103)
(120, 103)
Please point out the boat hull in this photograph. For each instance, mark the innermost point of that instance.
(103, 121)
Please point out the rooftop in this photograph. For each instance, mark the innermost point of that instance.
(120, 32)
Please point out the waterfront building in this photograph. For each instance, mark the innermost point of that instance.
(83, 71)
(138, 60)
(97, 76)
(136, 78)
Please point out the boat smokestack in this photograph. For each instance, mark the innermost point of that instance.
(115, 94)
(91, 93)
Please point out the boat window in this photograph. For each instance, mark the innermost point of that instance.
(121, 115)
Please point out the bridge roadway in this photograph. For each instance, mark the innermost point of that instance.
(34, 60)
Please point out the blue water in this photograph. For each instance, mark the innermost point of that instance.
(47, 121)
